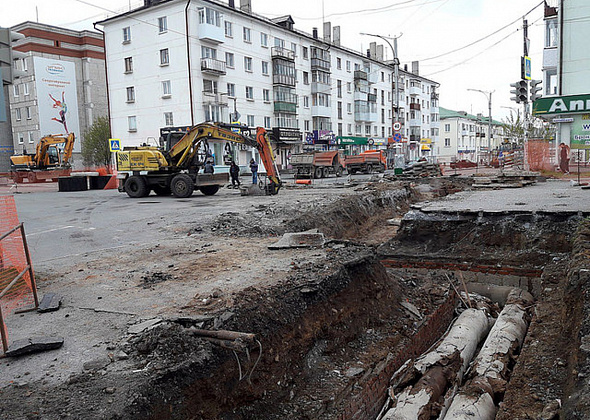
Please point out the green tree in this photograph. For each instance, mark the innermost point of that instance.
(95, 146)
(514, 128)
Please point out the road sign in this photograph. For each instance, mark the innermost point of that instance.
(114, 145)
(397, 126)
(526, 68)
(397, 137)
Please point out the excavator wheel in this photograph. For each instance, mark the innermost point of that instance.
(136, 187)
(209, 189)
(182, 186)
(339, 171)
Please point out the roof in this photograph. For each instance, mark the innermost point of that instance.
(446, 114)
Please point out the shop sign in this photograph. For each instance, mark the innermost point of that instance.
(580, 132)
(286, 135)
(573, 104)
(324, 137)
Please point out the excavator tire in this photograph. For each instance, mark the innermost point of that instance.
(182, 186)
(209, 189)
(136, 187)
(339, 171)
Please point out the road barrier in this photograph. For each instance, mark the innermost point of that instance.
(17, 280)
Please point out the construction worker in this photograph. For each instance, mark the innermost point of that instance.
(234, 172)
(254, 170)
(209, 169)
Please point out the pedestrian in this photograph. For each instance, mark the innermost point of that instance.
(234, 172)
(254, 170)
(564, 158)
(209, 169)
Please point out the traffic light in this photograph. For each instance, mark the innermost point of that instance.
(534, 89)
(520, 91)
(8, 56)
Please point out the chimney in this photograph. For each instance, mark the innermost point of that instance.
(415, 68)
(232, 4)
(336, 37)
(405, 67)
(327, 31)
(373, 50)
(246, 6)
(315, 33)
(380, 52)
(368, 53)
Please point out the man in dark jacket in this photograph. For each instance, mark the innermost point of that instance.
(234, 172)
(208, 168)
(254, 170)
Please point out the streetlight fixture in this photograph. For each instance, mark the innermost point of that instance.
(488, 95)
(394, 109)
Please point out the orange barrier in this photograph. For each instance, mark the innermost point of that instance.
(112, 184)
(17, 280)
(303, 181)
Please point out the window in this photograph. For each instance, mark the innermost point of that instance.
(162, 24)
(349, 108)
(263, 39)
(25, 67)
(447, 142)
(26, 88)
(447, 128)
(265, 68)
(229, 29)
(305, 78)
(129, 65)
(169, 119)
(209, 86)
(339, 110)
(339, 88)
(349, 87)
(164, 58)
(294, 48)
(16, 90)
(340, 129)
(21, 138)
(248, 64)
(550, 82)
(126, 35)
(304, 52)
(250, 92)
(267, 122)
(231, 90)
(347, 65)
(31, 139)
(166, 89)
(307, 125)
(279, 42)
(266, 95)
(208, 52)
(247, 35)
(251, 122)
(306, 101)
(229, 60)
(368, 130)
(17, 114)
(209, 16)
(338, 63)
(28, 109)
(130, 94)
(382, 77)
(132, 123)
(349, 129)
(551, 33)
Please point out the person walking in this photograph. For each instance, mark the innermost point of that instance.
(234, 172)
(254, 170)
(564, 158)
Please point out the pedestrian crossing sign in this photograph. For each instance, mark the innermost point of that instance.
(115, 145)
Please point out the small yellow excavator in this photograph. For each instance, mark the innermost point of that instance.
(48, 162)
(174, 167)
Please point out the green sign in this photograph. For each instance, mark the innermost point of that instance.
(580, 132)
(573, 104)
(346, 140)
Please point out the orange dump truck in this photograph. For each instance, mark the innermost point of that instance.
(317, 164)
(367, 162)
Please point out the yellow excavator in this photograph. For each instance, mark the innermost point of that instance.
(48, 162)
(173, 168)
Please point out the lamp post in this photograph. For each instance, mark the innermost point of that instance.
(488, 95)
(395, 90)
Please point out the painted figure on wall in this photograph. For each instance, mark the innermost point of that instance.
(62, 112)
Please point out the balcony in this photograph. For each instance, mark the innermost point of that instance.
(415, 138)
(372, 97)
(360, 75)
(278, 52)
(213, 66)
(360, 95)
(365, 116)
(415, 122)
(212, 33)
(319, 64)
(215, 99)
(283, 79)
(415, 90)
(321, 111)
(415, 106)
(317, 87)
(285, 107)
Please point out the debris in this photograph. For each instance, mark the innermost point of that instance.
(50, 303)
(412, 309)
(144, 326)
(97, 364)
(308, 239)
(33, 345)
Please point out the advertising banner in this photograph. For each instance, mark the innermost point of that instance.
(55, 82)
(580, 132)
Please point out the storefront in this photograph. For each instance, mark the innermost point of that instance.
(353, 145)
(319, 140)
(286, 141)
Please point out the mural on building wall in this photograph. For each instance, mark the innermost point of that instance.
(55, 81)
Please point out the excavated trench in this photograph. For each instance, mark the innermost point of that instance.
(331, 337)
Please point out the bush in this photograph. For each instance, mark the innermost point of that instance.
(95, 146)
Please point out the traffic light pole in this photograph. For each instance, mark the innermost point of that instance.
(525, 28)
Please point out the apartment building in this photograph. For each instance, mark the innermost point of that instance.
(465, 136)
(566, 71)
(64, 89)
(173, 63)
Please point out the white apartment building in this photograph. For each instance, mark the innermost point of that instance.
(465, 136)
(64, 89)
(179, 63)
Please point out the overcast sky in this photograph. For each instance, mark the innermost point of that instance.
(430, 30)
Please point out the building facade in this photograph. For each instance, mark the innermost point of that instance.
(64, 89)
(173, 63)
(566, 71)
(465, 136)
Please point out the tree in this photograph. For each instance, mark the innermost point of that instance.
(95, 146)
(514, 128)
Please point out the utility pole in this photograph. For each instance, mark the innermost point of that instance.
(525, 33)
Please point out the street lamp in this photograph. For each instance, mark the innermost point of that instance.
(488, 95)
(394, 109)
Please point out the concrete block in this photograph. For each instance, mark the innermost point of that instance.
(50, 303)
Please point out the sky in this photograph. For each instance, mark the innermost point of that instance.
(437, 33)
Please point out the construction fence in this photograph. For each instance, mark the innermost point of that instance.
(18, 290)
